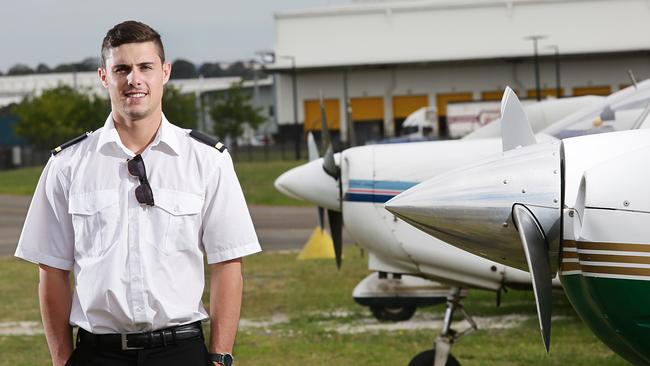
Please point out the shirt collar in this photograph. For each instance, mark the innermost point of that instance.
(165, 134)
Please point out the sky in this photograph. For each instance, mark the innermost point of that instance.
(64, 31)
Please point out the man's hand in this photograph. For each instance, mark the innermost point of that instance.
(55, 297)
(226, 286)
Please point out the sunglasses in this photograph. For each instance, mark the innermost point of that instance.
(143, 192)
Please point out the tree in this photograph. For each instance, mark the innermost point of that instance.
(183, 69)
(87, 64)
(58, 115)
(232, 111)
(180, 109)
(210, 70)
(42, 69)
(20, 69)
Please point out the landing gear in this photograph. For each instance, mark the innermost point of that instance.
(392, 313)
(440, 355)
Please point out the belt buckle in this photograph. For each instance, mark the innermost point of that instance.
(125, 344)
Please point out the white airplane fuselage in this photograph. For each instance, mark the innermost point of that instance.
(373, 174)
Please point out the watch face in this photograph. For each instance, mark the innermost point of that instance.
(227, 359)
(224, 359)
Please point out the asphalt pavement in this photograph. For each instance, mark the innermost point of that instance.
(278, 227)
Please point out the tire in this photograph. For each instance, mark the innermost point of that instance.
(392, 314)
(426, 359)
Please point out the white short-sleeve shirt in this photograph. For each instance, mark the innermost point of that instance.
(137, 267)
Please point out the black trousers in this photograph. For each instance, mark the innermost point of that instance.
(191, 352)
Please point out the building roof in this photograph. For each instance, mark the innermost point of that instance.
(415, 31)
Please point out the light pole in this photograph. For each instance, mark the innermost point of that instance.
(535, 38)
(267, 57)
(294, 88)
(558, 87)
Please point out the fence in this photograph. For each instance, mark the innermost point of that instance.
(279, 151)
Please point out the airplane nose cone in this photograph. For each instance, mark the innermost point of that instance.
(310, 183)
(471, 207)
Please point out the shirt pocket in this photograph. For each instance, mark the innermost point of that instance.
(96, 221)
(177, 216)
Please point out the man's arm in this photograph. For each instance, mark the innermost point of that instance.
(55, 300)
(226, 285)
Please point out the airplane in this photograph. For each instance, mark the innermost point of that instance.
(369, 177)
(575, 207)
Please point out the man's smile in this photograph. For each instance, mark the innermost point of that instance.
(135, 94)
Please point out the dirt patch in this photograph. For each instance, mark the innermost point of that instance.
(21, 328)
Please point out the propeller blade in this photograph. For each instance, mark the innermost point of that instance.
(312, 148)
(329, 165)
(536, 250)
(321, 217)
(515, 128)
(325, 132)
(336, 228)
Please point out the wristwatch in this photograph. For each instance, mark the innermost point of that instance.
(224, 359)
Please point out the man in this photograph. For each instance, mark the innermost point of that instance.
(131, 208)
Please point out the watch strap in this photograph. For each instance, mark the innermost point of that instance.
(225, 359)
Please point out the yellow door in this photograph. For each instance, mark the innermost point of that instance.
(592, 90)
(312, 114)
(367, 109)
(443, 99)
(545, 92)
(403, 105)
(494, 94)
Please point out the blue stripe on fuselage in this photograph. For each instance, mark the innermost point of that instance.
(374, 185)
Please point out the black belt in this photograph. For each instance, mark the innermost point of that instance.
(145, 340)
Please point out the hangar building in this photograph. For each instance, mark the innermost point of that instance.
(377, 61)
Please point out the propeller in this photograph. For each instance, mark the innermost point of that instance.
(312, 153)
(536, 249)
(335, 218)
(516, 132)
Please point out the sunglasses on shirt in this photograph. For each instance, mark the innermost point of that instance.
(143, 192)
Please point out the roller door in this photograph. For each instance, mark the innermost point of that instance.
(368, 119)
(545, 92)
(367, 109)
(404, 105)
(494, 94)
(312, 114)
(592, 90)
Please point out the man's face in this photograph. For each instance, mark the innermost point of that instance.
(134, 76)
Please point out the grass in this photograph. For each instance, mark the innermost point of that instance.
(19, 181)
(314, 298)
(256, 179)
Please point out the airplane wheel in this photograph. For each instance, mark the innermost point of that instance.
(392, 314)
(426, 359)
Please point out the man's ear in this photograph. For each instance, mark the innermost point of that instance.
(167, 71)
(102, 76)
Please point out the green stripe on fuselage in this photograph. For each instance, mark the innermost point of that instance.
(616, 310)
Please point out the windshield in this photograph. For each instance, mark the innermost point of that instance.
(624, 110)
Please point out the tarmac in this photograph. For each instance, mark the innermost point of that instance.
(278, 227)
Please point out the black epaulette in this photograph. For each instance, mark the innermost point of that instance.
(75, 140)
(208, 140)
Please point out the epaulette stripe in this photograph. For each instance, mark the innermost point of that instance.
(65, 145)
(208, 140)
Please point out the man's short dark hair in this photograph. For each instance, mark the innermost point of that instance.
(131, 31)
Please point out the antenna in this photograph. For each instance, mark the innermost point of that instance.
(631, 74)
